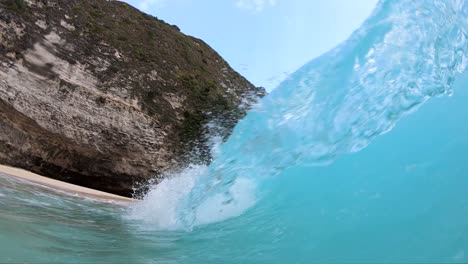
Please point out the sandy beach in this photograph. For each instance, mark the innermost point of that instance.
(63, 186)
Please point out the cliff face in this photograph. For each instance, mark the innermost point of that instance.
(96, 93)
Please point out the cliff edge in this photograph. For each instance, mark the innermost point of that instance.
(99, 94)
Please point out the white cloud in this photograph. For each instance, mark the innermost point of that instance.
(145, 5)
(256, 5)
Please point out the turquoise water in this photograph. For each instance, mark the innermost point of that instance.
(359, 157)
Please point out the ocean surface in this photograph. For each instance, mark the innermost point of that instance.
(358, 157)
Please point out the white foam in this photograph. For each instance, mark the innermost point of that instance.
(159, 208)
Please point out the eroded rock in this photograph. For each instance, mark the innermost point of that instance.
(96, 93)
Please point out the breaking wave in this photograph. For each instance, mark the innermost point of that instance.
(406, 53)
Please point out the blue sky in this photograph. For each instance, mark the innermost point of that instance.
(264, 39)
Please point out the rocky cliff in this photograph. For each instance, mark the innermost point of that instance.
(96, 93)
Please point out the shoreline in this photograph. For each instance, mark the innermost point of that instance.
(67, 188)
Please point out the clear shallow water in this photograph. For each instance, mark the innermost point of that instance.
(358, 158)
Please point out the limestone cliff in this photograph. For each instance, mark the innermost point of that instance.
(96, 93)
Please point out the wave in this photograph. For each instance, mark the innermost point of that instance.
(308, 176)
(404, 54)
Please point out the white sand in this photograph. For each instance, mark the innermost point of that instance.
(63, 186)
